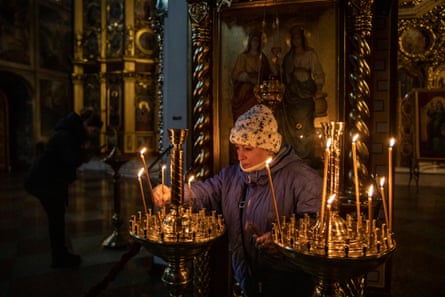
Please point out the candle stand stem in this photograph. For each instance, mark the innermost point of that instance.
(118, 237)
(176, 276)
(332, 288)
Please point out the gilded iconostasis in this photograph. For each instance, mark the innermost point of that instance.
(421, 81)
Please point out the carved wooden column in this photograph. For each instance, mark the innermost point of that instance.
(201, 22)
(358, 111)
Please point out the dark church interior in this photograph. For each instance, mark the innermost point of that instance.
(151, 65)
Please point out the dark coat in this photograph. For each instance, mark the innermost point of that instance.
(55, 169)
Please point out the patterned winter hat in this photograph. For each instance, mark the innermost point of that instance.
(257, 128)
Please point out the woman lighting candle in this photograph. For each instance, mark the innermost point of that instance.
(256, 138)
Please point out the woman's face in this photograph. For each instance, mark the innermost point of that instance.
(250, 156)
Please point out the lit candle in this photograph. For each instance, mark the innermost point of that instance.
(189, 182)
(274, 199)
(328, 229)
(370, 193)
(150, 188)
(382, 193)
(141, 171)
(357, 188)
(325, 181)
(163, 176)
(390, 198)
(191, 178)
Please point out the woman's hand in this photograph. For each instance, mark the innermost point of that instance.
(161, 195)
(265, 243)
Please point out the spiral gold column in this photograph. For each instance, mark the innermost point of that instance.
(202, 162)
(359, 114)
(359, 97)
(200, 16)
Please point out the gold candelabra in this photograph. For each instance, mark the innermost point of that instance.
(269, 92)
(333, 248)
(175, 233)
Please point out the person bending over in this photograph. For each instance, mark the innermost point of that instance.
(55, 169)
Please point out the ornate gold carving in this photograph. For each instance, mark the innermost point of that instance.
(146, 41)
(157, 24)
(198, 11)
(436, 77)
(407, 130)
(421, 38)
(416, 40)
(129, 41)
(410, 3)
(78, 46)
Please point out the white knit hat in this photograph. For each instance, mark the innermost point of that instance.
(257, 127)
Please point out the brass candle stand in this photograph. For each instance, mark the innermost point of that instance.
(176, 234)
(336, 250)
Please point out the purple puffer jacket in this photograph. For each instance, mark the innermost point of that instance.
(298, 190)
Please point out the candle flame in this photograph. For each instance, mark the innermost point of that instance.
(143, 151)
(268, 161)
(331, 199)
(141, 171)
(354, 139)
(191, 178)
(328, 143)
(392, 141)
(163, 167)
(370, 191)
(382, 182)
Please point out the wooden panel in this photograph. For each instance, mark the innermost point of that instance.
(4, 127)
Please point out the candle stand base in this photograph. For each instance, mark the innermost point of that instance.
(115, 240)
(181, 237)
(336, 276)
(332, 288)
(177, 275)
